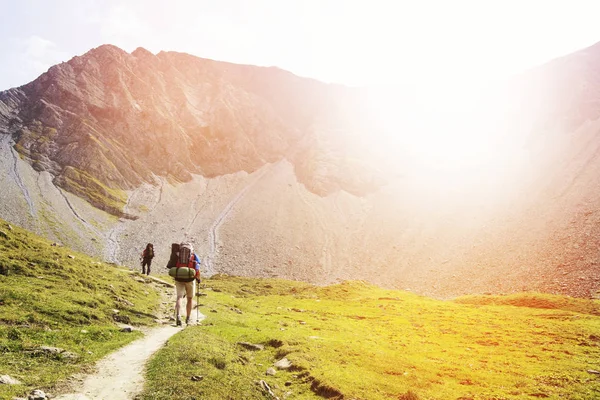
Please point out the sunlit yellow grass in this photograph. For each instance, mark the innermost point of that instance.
(358, 341)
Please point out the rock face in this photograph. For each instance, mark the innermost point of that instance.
(109, 121)
(273, 175)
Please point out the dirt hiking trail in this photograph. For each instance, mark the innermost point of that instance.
(120, 375)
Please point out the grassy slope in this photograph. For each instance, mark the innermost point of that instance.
(351, 340)
(56, 297)
(362, 342)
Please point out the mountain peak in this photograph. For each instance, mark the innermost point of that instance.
(107, 49)
(124, 114)
(141, 52)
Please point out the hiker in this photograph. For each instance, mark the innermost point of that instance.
(185, 280)
(146, 258)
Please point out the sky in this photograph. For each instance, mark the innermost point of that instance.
(358, 43)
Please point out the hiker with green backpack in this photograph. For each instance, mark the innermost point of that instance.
(184, 266)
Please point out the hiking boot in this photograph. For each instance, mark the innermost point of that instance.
(178, 323)
(187, 321)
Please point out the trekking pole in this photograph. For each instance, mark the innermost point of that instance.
(197, 302)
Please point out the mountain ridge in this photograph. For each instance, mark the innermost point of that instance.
(101, 101)
(279, 176)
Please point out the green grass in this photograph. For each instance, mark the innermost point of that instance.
(357, 341)
(98, 194)
(56, 297)
(33, 143)
(53, 227)
(351, 341)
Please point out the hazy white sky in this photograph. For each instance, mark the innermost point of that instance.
(371, 42)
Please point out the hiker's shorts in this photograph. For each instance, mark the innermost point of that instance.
(186, 289)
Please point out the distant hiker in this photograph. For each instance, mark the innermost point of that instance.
(184, 266)
(146, 257)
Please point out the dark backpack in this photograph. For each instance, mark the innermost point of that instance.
(174, 255)
(185, 253)
(149, 253)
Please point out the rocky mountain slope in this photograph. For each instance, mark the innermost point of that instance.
(108, 121)
(270, 174)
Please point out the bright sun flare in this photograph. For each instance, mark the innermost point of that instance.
(441, 136)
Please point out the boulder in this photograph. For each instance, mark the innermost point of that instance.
(54, 351)
(251, 346)
(593, 371)
(284, 363)
(37, 395)
(122, 318)
(9, 380)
